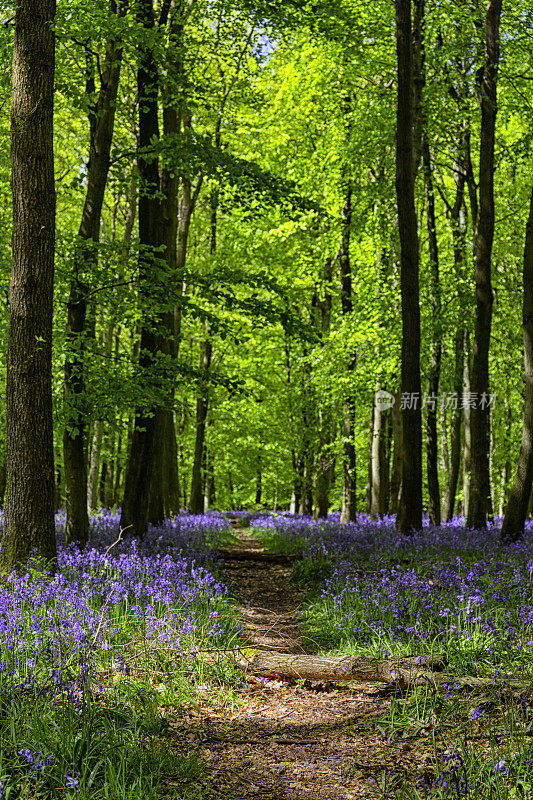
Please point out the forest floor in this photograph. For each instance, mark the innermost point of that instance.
(297, 740)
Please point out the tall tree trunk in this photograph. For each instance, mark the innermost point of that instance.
(196, 502)
(458, 226)
(478, 505)
(436, 344)
(396, 471)
(516, 509)
(349, 486)
(380, 463)
(307, 456)
(455, 429)
(349, 475)
(467, 439)
(210, 489)
(369, 474)
(94, 468)
(323, 464)
(3, 477)
(135, 506)
(29, 509)
(176, 218)
(506, 472)
(410, 511)
(102, 122)
(259, 483)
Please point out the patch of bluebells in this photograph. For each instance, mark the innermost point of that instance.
(456, 782)
(442, 587)
(55, 628)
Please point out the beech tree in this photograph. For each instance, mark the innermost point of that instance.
(478, 506)
(29, 509)
(410, 510)
(519, 496)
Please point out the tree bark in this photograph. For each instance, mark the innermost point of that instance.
(196, 502)
(455, 430)
(323, 462)
(458, 225)
(94, 468)
(436, 345)
(478, 505)
(29, 508)
(349, 474)
(176, 218)
(135, 506)
(506, 472)
(396, 471)
(467, 438)
(102, 122)
(410, 511)
(380, 464)
(516, 509)
(3, 477)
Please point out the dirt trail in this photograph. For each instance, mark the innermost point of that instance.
(290, 742)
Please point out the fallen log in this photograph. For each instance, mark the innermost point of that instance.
(408, 670)
(402, 671)
(229, 554)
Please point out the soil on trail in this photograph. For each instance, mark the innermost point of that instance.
(290, 741)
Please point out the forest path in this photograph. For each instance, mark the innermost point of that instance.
(290, 741)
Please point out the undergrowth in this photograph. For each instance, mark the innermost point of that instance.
(373, 592)
(99, 656)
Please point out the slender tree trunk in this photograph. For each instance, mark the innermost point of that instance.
(324, 461)
(210, 488)
(467, 440)
(410, 510)
(107, 499)
(349, 476)
(369, 475)
(176, 218)
(29, 508)
(506, 472)
(102, 121)
(436, 345)
(135, 506)
(478, 505)
(379, 471)
(455, 429)
(259, 483)
(94, 470)
(396, 472)
(307, 456)
(490, 507)
(516, 509)
(3, 477)
(196, 502)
